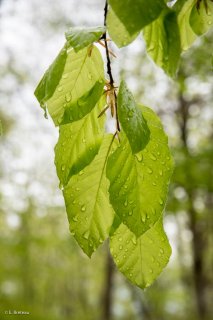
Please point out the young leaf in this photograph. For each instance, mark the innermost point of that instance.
(132, 120)
(183, 9)
(86, 196)
(51, 78)
(78, 143)
(139, 183)
(201, 20)
(163, 41)
(82, 76)
(140, 260)
(80, 38)
(118, 31)
(136, 14)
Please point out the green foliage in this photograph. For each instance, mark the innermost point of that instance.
(80, 38)
(163, 41)
(116, 185)
(141, 259)
(78, 80)
(132, 120)
(167, 30)
(138, 191)
(138, 13)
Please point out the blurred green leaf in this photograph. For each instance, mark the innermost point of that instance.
(163, 41)
(201, 20)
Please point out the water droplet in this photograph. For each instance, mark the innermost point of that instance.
(75, 219)
(150, 271)
(130, 113)
(143, 218)
(68, 97)
(63, 167)
(120, 239)
(77, 189)
(139, 157)
(130, 275)
(60, 89)
(83, 208)
(131, 213)
(126, 203)
(86, 235)
(154, 183)
(150, 171)
(101, 240)
(65, 76)
(161, 173)
(161, 201)
(84, 140)
(153, 157)
(134, 241)
(72, 233)
(81, 172)
(74, 202)
(120, 247)
(61, 186)
(90, 75)
(161, 251)
(125, 186)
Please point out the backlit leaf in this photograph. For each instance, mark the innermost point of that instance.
(118, 31)
(79, 88)
(87, 202)
(80, 38)
(140, 260)
(78, 143)
(202, 20)
(136, 14)
(163, 41)
(139, 183)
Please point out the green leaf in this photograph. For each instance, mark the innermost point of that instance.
(51, 78)
(163, 41)
(86, 196)
(140, 260)
(78, 89)
(132, 120)
(1, 129)
(78, 143)
(118, 31)
(136, 14)
(183, 9)
(139, 183)
(80, 38)
(202, 20)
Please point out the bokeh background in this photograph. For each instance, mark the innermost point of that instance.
(42, 269)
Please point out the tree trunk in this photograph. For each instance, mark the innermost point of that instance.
(107, 295)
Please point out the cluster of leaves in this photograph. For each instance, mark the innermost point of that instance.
(167, 30)
(114, 186)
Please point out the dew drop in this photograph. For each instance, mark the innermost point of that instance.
(86, 235)
(60, 89)
(134, 241)
(68, 97)
(161, 251)
(161, 173)
(81, 172)
(154, 183)
(126, 203)
(84, 140)
(65, 76)
(150, 271)
(153, 157)
(75, 219)
(143, 218)
(130, 213)
(120, 247)
(74, 202)
(150, 171)
(161, 201)
(120, 239)
(83, 208)
(63, 167)
(130, 275)
(139, 157)
(90, 75)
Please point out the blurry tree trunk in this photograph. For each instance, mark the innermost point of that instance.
(198, 241)
(107, 294)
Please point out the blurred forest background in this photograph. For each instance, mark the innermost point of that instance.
(42, 270)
